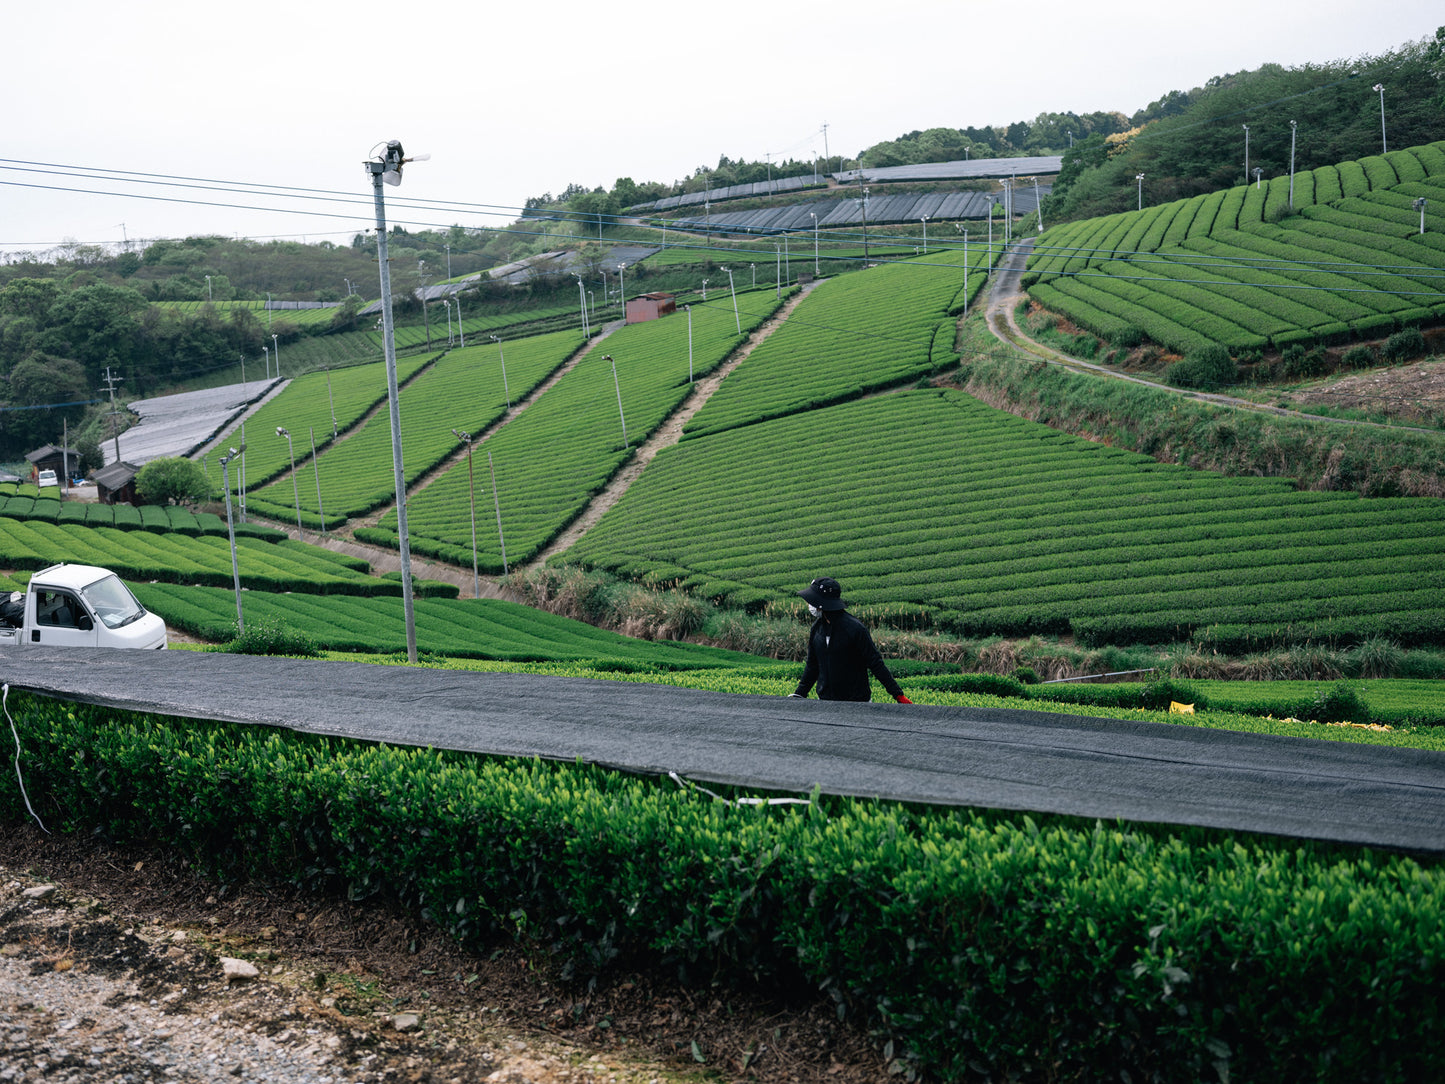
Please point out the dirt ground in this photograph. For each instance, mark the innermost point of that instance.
(345, 991)
(1408, 393)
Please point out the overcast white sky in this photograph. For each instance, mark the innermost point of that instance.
(519, 99)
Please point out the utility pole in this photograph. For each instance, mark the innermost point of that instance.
(111, 380)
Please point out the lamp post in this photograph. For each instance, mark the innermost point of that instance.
(505, 390)
(466, 438)
(814, 216)
(1246, 152)
(1419, 205)
(1293, 132)
(281, 431)
(1258, 171)
(1139, 177)
(1384, 147)
(497, 504)
(737, 320)
(461, 333)
(582, 300)
(316, 470)
(704, 289)
(1038, 206)
(925, 234)
(622, 290)
(266, 356)
(276, 355)
(616, 384)
(208, 288)
(448, 303)
(231, 532)
(689, 342)
(386, 169)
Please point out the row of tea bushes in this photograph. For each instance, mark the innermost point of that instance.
(982, 946)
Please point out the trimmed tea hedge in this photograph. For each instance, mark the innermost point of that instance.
(983, 946)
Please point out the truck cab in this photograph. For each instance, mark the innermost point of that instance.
(80, 606)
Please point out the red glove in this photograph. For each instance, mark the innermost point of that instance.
(902, 699)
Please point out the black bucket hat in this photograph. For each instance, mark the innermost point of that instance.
(824, 593)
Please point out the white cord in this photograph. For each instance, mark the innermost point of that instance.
(681, 782)
(5, 703)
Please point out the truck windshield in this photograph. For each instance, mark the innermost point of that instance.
(112, 602)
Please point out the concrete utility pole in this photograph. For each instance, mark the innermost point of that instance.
(111, 380)
(387, 168)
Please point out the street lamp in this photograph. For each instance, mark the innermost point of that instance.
(231, 532)
(1246, 152)
(208, 288)
(1419, 205)
(1038, 206)
(689, 342)
(385, 168)
(618, 386)
(1139, 177)
(266, 354)
(1384, 147)
(461, 332)
(316, 470)
(497, 504)
(505, 390)
(582, 300)
(276, 355)
(737, 320)
(1293, 132)
(466, 438)
(704, 289)
(1258, 171)
(622, 289)
(295, 496)
(925, 234)
(814, 216)
(448, 303)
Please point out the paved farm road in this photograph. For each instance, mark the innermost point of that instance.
(951, 756)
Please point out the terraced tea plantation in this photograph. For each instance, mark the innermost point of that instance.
(554, 456)
(989, 524)
(853, 334)
(1238, 267)
(268, 563)
(465, 389)
(473, 628)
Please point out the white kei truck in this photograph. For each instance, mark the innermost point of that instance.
(78, 606)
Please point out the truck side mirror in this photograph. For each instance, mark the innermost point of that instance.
(85, 624)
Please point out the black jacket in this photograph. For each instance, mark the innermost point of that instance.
(840, 654)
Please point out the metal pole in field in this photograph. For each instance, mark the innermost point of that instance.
(331, 399)
(387, 168)
(497, 503)
(778, 269)
(316, 470)
(461, 333)
(618, 386)
(1140, 178)
(1293, 131)
(814, 216)
(281, 431)
(689, 342)
(505, 390)
(737, 320)
(1246, 152)
(1384, 146)
(466, 438)
(1419, 205)
(231, 532)
(965, 274)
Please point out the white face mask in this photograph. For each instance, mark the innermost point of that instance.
(814, 612)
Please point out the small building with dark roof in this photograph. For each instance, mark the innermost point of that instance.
(649, 307)
(50, 457)
(115, 484)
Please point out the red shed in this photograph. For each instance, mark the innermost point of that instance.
(649, 307)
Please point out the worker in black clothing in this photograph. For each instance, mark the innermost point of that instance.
(840, 650)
